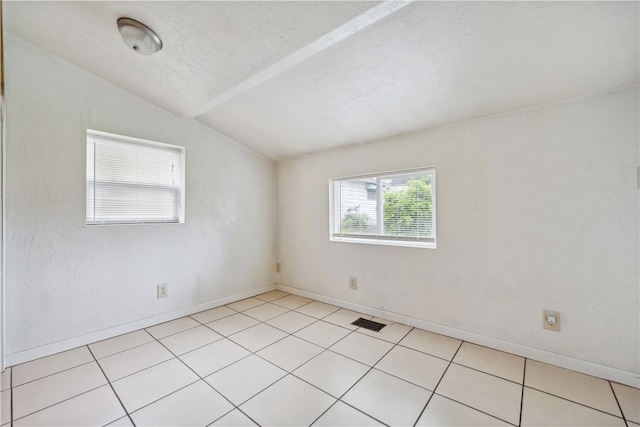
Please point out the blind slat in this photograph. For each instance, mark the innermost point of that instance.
(392, 206)
(131, 181)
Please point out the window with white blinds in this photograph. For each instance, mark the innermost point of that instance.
(133, 181)
(392, 208)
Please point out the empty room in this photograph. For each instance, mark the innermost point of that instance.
(331, 213)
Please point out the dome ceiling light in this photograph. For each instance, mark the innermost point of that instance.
(139, 37)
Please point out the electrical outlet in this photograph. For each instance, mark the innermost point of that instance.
(163, 290)
(551, 320)
(278, 268)
(353, 283)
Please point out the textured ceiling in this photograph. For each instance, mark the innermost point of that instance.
(290, 78)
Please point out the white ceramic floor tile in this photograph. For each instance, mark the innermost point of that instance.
(291, 321)
(290, 353)
(393, 332)
(344, 318)
(213, 314)
(434, 344)
(317, 309)
(121, 422)
(541, 409)
(50, 365)
(173, 327)
(292, 302)
(581, 388)
(504, 365)
(5, 407)
(191, 339)
(323, 334)
(332, 372)
(195, 405)
(245, 378)
(257, 337)
(265, 312)
(442, 412)
(388, 399)
(232, 324)
(362, 348)
(120, 343)
(144, 387)
(212, 357)
(276, 407)
(273, 295)
(5, 379)
(492, 395)
(343, 415)
(245, 304)
(55, 388)
(629, 400)
(413, 366)
(130, 361)
(96, 407)
(234, 418)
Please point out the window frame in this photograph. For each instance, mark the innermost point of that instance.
(91, 133)
(380, 239)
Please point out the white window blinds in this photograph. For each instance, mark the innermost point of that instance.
(389, 208)
(133, 181)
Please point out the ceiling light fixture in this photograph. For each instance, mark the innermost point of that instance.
(139, 37)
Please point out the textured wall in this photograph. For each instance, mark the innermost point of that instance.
(66, 279)
(535, 209)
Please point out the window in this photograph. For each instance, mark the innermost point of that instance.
(132, 181)
(395, 208)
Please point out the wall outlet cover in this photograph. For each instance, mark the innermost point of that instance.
(545, 320)
(163, 290)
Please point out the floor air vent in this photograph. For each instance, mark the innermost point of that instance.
(369, 324)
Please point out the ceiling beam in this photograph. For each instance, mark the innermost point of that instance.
(359, 23)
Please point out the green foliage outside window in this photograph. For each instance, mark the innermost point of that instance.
(407, 211)
(354, 221)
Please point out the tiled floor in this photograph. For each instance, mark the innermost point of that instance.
(280, 359)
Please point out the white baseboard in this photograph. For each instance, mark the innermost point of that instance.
(586, 367)
(53, 348)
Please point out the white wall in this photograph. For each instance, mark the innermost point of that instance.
(537, 209)
(67, 280)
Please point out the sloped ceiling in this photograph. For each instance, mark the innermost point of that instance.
(291, 78)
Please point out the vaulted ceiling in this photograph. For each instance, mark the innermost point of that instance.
(291, 78)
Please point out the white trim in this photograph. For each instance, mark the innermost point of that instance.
(380, 238)
(617, 375)
(53, 348)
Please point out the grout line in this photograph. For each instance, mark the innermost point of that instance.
(52, 374)
(57, 403)
(61, 401)
(126, 349)
(577, 403)
(290, 372)
(438, 383)
(626, 422)
(112, 389)
(175, 333)
(524, 377)
(483, 372)
(365, 374)
(361, 377)
(475, 409)
(456, 401)
(200, 378)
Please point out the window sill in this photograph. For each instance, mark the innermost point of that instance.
(384, 242)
